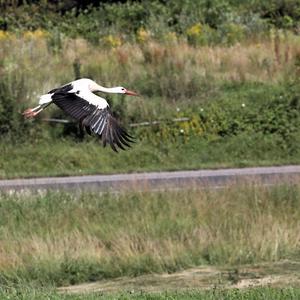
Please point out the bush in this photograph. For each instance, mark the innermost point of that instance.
(278, 115)
(127, 17)
(11, 120)
(283, 14)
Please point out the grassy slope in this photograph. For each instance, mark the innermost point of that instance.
(67, 157)
(56, 155)
(62, 239)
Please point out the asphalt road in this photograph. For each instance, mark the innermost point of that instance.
(158, 180)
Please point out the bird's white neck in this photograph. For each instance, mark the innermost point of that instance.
(103, 89)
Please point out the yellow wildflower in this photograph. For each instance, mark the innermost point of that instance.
(112, 41)
(34, 35)
(143, 35)
(195, 30)
(39, 33)
(4, 35)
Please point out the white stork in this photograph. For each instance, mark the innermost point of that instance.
(78, 100)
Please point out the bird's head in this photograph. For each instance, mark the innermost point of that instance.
(94, 87)
(122, 90)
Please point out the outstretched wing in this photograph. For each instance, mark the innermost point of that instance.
(99, 121)
(73, 105)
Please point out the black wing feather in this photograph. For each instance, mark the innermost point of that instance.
(94, 119)
(73, 105)
(117, 139)
(88, 130)
(108, 128)
(63, 89)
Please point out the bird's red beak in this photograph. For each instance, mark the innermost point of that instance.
(131, 93)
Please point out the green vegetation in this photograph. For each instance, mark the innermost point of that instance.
(26, 293)
(229, 68)
(242, 105)
(222, 21)
(68, 157)
(232, 69)
(60, 238)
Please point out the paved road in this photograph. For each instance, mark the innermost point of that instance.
(158, 180)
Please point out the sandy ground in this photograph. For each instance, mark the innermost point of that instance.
(281, 274)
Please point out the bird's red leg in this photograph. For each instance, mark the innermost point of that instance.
(32, 112)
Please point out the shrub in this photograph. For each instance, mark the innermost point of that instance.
(127, 17)
(279, 115)
(283, 14)
(11, 121)
(232, 33)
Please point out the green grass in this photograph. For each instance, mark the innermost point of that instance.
(243, 104)
(224, 134)
(68, 157)
(60, 238)
(267, 293)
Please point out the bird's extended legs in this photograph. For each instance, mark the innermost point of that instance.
(32, 112)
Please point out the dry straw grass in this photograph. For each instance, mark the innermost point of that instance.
(163, 67)
(140, 232)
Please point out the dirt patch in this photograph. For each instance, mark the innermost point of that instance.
(284, 273)
(268, 280)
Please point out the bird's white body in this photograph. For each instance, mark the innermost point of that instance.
(77, 99)
(83, 88)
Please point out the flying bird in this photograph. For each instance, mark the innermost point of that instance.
(78, 100)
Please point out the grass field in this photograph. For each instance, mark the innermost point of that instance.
(248, 294)
(243, 124)
(68, 157)
(232, 70)
(60, 238)
(242, 101)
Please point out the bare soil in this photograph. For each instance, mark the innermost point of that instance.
(281, 274)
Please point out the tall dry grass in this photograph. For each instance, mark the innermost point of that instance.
(66, 238)
(172, 70)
